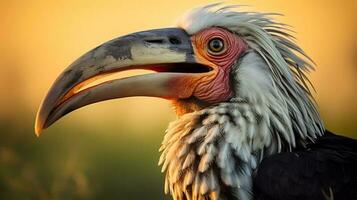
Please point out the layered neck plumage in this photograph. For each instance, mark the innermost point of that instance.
(213, 152)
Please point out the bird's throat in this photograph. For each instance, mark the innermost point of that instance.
(184, 106)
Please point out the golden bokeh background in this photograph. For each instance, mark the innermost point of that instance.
(108, 150)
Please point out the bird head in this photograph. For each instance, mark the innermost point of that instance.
(214, 55)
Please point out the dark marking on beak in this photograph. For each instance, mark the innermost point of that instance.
(120, 49)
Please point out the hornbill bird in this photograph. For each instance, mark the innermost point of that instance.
(247, 125)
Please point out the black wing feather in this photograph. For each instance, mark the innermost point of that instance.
(326, 169)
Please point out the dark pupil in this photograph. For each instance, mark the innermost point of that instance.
(216, 45)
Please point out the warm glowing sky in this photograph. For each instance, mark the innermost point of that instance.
(40, 38)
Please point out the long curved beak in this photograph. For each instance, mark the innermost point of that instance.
(166, 51)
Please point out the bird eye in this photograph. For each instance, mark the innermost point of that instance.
(216, 46)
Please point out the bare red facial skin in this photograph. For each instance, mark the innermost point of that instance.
(215, 87)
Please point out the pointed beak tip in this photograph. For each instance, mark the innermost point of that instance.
(37, 134)
(38, 129)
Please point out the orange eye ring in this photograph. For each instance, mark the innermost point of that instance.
(216, 46)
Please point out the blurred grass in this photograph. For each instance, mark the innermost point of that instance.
(78, 164)
(76, 161)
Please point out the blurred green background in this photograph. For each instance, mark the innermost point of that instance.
(110, 150)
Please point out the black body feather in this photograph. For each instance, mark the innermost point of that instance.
(326, 169)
